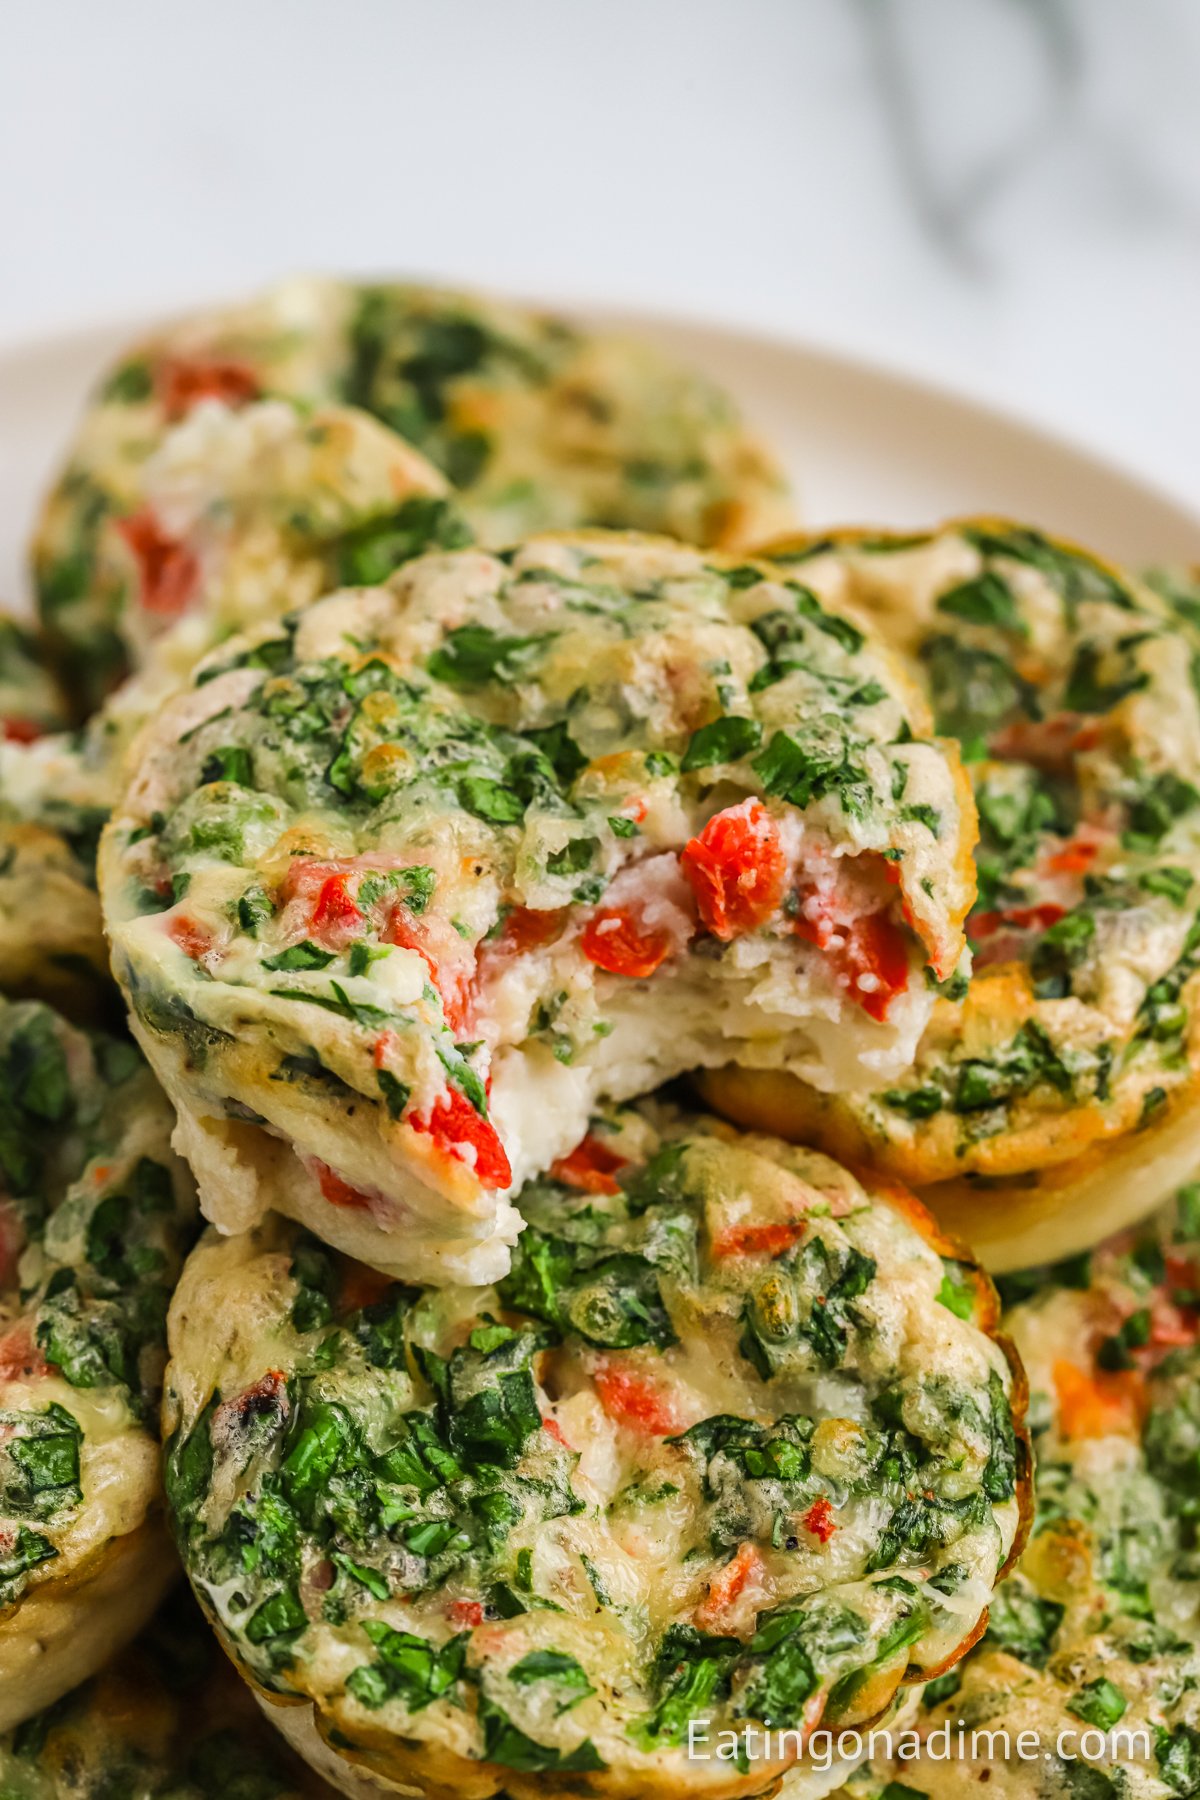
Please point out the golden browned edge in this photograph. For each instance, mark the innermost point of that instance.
(1069, 1207)
(764, 503)
(776, 1101)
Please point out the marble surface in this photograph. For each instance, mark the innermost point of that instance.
(1000, 195)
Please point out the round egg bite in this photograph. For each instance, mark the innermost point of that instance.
(734, 1441)
(1098, 1631)
(397, 892)
(244, 516)
(55, 794)
(95, 1220)
(166, 1719)
(1054, 1096)
(534, 422)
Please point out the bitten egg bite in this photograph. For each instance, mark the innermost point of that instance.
(535, 423)
(732, 1441)
(95, 1218)
(166, 1719)
(1093, 1645)
(400, 890)
(1055, 1096)
(55, 794)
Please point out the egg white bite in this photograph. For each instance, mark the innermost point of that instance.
(400, 891)
(1092, 1653)
(733, 1441)
(55, 794)
(95, 1218)
(53, 801)
(535, 423)
(166, 1716)
(1053, 1097)
(243, 516)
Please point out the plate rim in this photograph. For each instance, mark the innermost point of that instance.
(915, 385)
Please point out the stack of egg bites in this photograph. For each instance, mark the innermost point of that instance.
(594, 960)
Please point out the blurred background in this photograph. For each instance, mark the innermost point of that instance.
(1002, 196)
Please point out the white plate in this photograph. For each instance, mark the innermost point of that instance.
(864, 446)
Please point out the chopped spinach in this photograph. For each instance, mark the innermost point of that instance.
(723, 741)
(407, 1668)
(471, 656)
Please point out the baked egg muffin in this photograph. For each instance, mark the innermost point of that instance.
(244, 516)
(55, 794)
(1093, 1645)
(1054, 1097)
(400, 890)
(732, 1441)
(96, 1216)
(166, 1719)
(535, 423)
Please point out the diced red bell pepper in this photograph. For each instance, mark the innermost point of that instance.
(728, 1584)
(168, 573)
(452, 983)
(1048, 743)
(1075, 857)
(454, 1125)
(20, 1356)
(631, 1399)
(1183, 1272)
(591, 1166)
(182, 382)
(1018, 918)
(465, 1612)
(339, 1192)
(759, 1240)
(194, 939)
(1172, 1327)
(359, 1285)
(1099, 1402)
(23, 731)
(871, 945)
(528, 928)
(335, 916)
(736, 869)
(819, 1520)
(616, 940)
